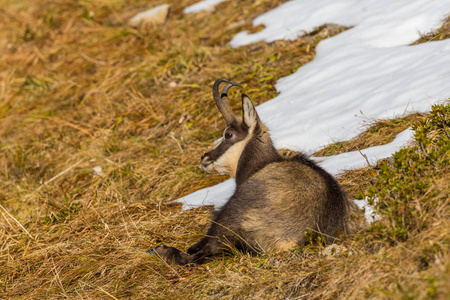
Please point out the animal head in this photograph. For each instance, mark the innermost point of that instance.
(225, 155)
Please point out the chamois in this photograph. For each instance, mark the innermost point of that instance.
(277, 199)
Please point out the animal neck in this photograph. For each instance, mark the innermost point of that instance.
(258, 153)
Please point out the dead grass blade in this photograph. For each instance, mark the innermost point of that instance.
(17, 222)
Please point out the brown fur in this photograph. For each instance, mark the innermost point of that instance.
(276, 201)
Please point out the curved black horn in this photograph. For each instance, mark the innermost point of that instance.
(222, 101)
(227, 87)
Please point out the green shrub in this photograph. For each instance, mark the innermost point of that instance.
(401, 193)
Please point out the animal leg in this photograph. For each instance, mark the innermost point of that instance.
(171, 254)
(198, 246)
(206, 249)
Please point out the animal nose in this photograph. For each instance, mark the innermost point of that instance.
(205, 159)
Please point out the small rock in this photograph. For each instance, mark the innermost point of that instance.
(173, 84)
(235, 25)
(332, 250)
(98, 170)
(156, 15)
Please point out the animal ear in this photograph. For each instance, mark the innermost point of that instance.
(249, 114)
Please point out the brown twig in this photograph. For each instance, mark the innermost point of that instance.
(365, 157)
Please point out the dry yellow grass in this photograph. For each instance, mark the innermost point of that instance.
(376, 132)
(80, 89)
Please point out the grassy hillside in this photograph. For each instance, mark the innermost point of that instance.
(79, 89)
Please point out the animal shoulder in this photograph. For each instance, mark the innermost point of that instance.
(288, 169)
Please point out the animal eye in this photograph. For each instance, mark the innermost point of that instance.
(228, 135)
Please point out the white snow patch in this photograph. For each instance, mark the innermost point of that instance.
(377, 23)
(216, 195)
(328, 99)
(202, 5)
(355, 159)
(369, 211)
